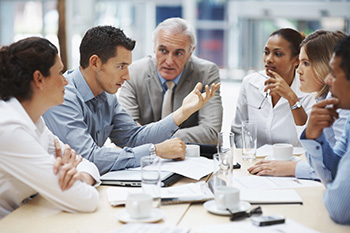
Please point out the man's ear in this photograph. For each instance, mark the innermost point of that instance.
(95, 62)
(191, 51)
(38, 79)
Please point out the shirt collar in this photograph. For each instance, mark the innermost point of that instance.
(176, 80)
(81, 85)
(258, 81)
(17, 106)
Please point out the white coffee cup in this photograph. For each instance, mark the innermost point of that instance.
(192, 151)
(139, 205)
(282, 151)
(227, 197)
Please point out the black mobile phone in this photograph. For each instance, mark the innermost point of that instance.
(268, 220)
(237, 166)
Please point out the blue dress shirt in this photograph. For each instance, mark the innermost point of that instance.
(332, 134)
(85, 122)
(333, 167)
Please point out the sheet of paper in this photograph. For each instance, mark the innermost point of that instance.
(267, 182)
(289, 226)
(285, 196)
(187, 192)
(150, 228)
(192, 167)
(266, 150)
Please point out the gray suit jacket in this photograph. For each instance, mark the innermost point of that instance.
(142, 98)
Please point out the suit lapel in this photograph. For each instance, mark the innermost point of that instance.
(184, 86)
(155, 92)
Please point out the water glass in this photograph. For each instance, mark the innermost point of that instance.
(221, 171)
(249, 140)
(151, 178)
(226, 148)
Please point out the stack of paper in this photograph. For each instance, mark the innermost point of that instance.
(193, 192)
(191, 167)
(260, 197)
(268, 182)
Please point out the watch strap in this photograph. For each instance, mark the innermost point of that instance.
(152, 150)
(296, 105)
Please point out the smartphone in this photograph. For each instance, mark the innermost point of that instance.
(267, 220)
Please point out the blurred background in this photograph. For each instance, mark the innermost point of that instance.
(231, 33)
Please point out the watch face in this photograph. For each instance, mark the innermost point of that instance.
(296, 105)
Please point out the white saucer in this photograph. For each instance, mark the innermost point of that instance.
(155, 216)
(294, 158)
(212, 208)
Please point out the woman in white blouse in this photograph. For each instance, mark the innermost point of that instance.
(315, 54)
(32, 159)
(271, 98)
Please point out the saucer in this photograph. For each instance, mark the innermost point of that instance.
(212, 208)
(155, 216)
(294, 158)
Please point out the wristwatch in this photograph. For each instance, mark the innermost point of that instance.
(152, 150)
(296, 105)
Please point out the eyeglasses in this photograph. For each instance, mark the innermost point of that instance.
(266, 95)
(244, 214)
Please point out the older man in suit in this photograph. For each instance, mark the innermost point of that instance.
(159, 83)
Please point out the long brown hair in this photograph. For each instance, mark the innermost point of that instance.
(318, 47)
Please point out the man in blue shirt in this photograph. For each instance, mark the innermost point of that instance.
(91, 112)
(332, 164)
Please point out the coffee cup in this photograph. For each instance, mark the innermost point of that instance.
(282, 151)
(139, 205)
(227, 197)
(192, 151)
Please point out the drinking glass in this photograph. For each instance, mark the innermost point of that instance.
(226, 148)
(150, 178)
(220, 174)
(249, 140)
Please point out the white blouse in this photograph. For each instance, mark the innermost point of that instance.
(27, 155)
(274, 124)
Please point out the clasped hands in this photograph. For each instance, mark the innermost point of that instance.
(65, 166)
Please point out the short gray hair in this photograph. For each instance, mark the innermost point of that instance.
(176, 25)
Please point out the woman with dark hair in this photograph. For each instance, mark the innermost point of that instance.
(32, 159)
(315, 54)
(271, 98)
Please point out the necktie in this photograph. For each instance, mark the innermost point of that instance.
(167, 106)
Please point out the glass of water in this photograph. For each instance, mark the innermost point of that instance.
(226, 148)
(249, 140)
(150, 178)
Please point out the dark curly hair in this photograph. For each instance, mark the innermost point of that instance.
(103, 41)
(19, 61)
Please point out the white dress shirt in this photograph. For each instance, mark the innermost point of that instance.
(27, 156)
(274, 124)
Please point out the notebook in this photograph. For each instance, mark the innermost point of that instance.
(132, 178)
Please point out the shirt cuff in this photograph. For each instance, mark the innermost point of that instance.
(91, 169)
(171, 123)
(304, 171)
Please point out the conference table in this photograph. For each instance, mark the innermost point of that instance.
(39, 216)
